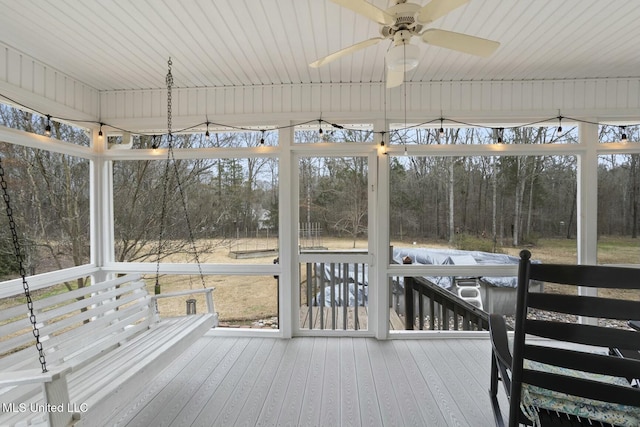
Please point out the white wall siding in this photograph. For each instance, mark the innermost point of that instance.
(43, 88)
(613, 99)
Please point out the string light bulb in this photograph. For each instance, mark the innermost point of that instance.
(320, 127)
(262, 137)
(154, 143)
(500, 132)
(441, 130)
(100, 131)
(207, 135)
(623, 137)
(383, 148)
(559, 124)
(47, 128)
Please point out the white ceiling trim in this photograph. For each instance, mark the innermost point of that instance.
(607, 100)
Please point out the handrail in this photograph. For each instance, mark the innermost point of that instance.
(442, 306)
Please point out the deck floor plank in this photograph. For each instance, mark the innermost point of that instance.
(266, 378)
(295, 390)
(366, 384)
(331, 410)
(349, 401)
(430, 372)
(457, 378)
(239, 378)
(272, 405)
(468, 368)
(346, 381)
(419, 387)
(208, 385)
(312, 401)
(173, 383)
(387, 400)
(407, 403)
(221, 412)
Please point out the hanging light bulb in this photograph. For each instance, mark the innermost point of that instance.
(262, 137)
(207, 135)
(100, 132)
(623, 137)
(154, 143)
(383, 148)
(320, 127)
(441, 131)
(559, 124)
(500, 131)
(47, 129)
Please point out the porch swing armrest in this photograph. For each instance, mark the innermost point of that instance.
(207, 291)
(32, 376)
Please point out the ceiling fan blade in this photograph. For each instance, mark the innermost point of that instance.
(347, 50)
(394, 78)
(437, 9)
(367, 9)
(460, 42)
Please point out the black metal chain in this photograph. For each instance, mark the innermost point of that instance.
(186, 217)
(171, 158)
(23, 273)
(169, 81)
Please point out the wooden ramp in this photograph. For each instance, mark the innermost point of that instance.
(333, 318)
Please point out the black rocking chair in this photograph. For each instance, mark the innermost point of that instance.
(562, 371)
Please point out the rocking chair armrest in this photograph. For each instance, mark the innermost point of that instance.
(32, 376)
(499, 341)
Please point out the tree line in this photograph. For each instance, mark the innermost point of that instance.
(507, 200)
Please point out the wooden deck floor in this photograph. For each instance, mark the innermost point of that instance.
(234, 381)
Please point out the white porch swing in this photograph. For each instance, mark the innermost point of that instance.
(97, 346)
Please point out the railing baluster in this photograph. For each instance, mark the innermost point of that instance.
(444, 307)
(455, 317)
(333, 295)
(356, 287)
(322, 298)
(345, 295)
(408, 303)
(421, 311)
(310, 268)
(432, 314)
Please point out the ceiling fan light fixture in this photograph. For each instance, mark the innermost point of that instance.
(403, 57)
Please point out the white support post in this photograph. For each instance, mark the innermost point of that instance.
(379, 302)
(98, 203)
(587, 200)
(587, 194)
(287, 226)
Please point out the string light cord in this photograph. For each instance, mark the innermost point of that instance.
(307, 122)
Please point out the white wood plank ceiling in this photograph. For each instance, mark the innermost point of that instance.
(124, 45)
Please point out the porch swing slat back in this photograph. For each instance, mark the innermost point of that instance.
(101, 341)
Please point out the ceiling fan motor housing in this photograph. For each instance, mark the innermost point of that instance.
(405, 15)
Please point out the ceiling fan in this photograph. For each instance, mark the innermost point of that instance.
(400, 23)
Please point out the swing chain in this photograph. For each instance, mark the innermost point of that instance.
(171, 158)
(169, 82)
(23, 273)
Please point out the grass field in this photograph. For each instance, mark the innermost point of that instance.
(240, 300)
